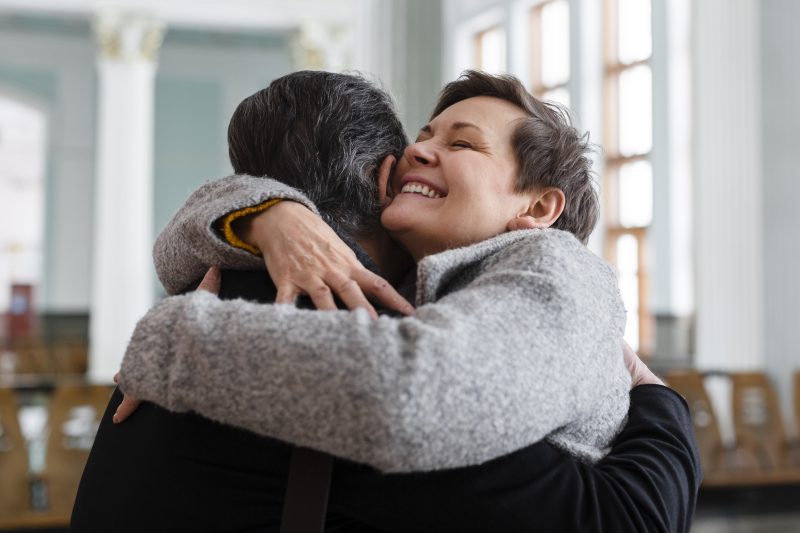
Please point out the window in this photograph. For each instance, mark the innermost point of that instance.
(628, 171)
(490, 50)
(550, 51)
(22, 167)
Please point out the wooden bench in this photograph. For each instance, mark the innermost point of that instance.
(75, 412)
(14, 484)
(797, 406)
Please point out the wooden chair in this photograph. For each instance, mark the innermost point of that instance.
(716, 458)
(70, 357)
(33, 357)
(759, 426)
(794, 443)
(797, 404)
(14, 487)
(75, 413)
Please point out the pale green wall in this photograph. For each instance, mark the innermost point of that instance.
(417, 58)
(39, 83)
(201, 77)
(187, 141)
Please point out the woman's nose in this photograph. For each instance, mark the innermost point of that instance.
(421, 153)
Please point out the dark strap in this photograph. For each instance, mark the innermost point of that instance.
(307, 489)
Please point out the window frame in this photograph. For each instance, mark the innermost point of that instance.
(537, 87)
(613, 69)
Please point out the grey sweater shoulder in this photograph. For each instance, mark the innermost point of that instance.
(515, 339)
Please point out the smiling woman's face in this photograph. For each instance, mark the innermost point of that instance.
(455, 185)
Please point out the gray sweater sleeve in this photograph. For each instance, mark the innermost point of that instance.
(189, 244)
(527, 348)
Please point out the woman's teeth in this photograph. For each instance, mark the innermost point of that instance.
(420, 189)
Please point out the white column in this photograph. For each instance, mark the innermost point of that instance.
(372, 51)
(671, 230)
(123, 215)
(728, 218)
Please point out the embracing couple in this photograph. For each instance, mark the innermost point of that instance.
(504, 400)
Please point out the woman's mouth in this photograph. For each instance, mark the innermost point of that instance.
(414, 187)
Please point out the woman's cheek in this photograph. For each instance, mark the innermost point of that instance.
(390, 218)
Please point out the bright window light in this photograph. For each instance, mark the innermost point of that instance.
(634, 27)
(555, 43)
(22, 165)
(492, 50)
(636, 194)
(635, 111)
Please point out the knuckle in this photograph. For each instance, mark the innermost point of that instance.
(321, 290)
(348, 285)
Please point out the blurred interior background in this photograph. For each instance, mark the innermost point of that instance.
(112, 112)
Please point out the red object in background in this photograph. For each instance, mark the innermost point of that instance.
(21, 313)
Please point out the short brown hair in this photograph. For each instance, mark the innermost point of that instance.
(550, 150)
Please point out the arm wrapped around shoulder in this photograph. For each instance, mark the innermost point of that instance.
(190, 244)
(511, 342)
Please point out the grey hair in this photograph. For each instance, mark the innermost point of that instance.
(325, 134)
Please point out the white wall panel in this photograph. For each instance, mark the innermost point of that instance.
(728, 219)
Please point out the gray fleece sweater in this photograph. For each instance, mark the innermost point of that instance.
(515, 339)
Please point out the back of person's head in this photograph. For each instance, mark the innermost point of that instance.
(550, 151)
(324, 134)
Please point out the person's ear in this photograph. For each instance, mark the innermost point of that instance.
(385, 172)
(545, 208)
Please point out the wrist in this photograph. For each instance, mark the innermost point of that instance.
(236, 224)
(259, 229)
(647, 378)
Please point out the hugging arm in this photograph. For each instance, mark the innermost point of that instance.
(502, 362)
(190, 243)
(648, 482)
(198, 236)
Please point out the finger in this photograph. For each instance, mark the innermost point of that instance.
(287, 293)
(125, 409)
(382, 291)
(322, 297)
(352, 296)
(211, 281)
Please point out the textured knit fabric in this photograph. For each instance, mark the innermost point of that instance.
(190, 243)
(514, 339)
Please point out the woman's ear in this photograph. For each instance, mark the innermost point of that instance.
(545, 208)
(385, 172)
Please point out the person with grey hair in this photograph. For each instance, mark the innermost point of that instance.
(420, 502)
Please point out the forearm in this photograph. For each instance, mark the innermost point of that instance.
(650, 480)
(190, 243)
(386, 392)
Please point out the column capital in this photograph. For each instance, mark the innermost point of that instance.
(319, 45)
(128, 36)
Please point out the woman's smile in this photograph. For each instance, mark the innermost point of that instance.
(460, 174)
